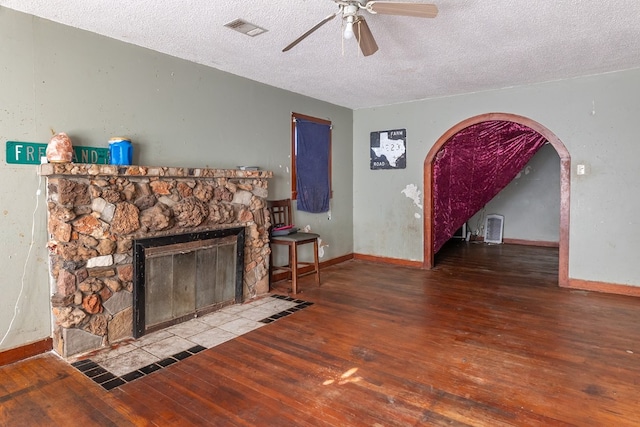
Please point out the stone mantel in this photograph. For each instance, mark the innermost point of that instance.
(81, 169)
(95, 212)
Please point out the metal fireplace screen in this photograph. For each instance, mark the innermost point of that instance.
(182, 276)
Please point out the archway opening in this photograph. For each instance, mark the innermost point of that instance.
(430, 244)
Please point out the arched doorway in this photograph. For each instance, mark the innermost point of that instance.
(565, 185)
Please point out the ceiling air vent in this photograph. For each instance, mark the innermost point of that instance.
(245, 27)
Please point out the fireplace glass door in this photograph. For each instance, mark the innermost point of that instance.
(188, 278)
(181, 277)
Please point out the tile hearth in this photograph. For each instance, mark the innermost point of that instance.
(114, 367)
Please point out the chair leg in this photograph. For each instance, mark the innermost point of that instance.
(293, 256)
(316, 261)
(270, 266)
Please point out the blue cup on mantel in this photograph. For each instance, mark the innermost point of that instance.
(120, 151)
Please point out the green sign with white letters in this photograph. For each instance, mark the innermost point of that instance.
(29, 153)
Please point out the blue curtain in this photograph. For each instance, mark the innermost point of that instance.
(312, 166)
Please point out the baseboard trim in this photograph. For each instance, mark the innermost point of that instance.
(387, 260)
(523, 242)
(24, 352)
(276, 277)
(609, 288)
(334, 261)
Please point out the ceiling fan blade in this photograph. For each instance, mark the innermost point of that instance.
(420, 10)
(305, 35)
(363, 34)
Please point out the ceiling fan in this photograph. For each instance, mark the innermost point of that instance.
(356, 26)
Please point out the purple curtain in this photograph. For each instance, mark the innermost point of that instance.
(471, 169)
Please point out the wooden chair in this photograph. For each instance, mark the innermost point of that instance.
(281, 214)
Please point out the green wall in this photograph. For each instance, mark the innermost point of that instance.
(595, 117)
(177, 113)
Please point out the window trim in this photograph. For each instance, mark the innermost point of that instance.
(294, 116)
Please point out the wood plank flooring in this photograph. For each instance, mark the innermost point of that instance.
(486, 338)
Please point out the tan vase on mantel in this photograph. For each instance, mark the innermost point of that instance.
(59, 149)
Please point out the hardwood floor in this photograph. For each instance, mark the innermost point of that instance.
(486, 338)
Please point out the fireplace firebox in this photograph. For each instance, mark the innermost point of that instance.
(180, 277)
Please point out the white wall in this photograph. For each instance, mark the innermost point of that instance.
(177, 113)
(595, 117)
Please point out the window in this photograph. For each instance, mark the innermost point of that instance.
(311, 163)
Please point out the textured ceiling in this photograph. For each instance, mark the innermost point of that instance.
(470, 46)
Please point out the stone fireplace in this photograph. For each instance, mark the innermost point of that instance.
(98, 215)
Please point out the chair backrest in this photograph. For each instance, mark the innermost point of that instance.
(280, 212)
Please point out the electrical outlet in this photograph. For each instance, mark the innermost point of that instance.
(581, 169)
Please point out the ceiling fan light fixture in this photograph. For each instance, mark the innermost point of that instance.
(349, 16)
(348, 31)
